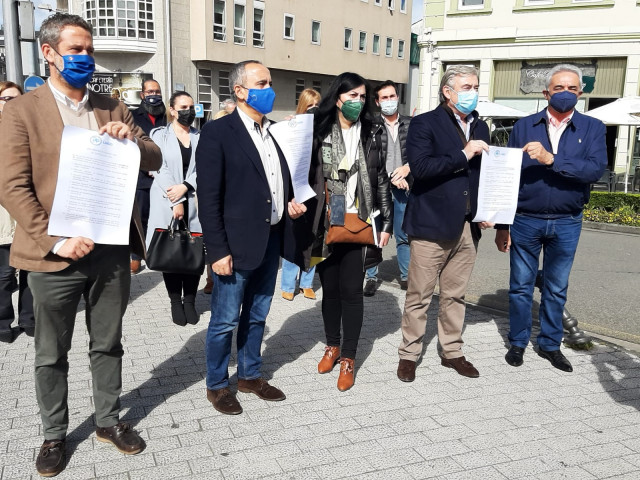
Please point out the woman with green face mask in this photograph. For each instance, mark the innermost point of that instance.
(348, 173)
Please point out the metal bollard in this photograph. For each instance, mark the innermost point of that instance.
(574, 337)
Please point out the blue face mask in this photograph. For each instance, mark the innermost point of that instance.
(467, 101)
(261, 99)
(77, 70)
(563, 101)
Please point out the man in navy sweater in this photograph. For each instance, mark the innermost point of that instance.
(564, 152)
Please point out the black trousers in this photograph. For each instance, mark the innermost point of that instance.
(341, 276)
(7, 287)
(179, 285)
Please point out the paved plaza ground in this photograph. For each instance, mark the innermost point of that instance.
(511, 423)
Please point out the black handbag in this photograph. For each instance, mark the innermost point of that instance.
(176, 250)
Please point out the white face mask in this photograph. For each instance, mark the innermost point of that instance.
(389, 107)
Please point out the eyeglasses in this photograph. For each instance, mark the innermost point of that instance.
(6, 99)
(153, 92)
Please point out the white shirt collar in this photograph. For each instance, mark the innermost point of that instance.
(62, 98)
(250, 123)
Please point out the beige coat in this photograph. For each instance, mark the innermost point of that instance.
(31, 131)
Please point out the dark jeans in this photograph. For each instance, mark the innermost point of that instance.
(143, 201)
(179, 285)
(7, 287)
(103, 278)
(341, 276)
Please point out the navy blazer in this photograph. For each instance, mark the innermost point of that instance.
(443, 180)
(234, 198)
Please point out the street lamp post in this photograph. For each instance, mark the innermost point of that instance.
(12, 41)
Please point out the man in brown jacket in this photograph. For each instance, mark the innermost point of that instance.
(65, 269)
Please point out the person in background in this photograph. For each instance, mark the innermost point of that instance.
(347, 163)
(291, 273)
(173, 197)
(564, 152)
(26, 321)
(228, 105)
(394, 140)
(149, 115)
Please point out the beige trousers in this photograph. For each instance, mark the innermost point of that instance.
(451, 262)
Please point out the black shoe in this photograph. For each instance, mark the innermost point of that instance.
(29, 331)
(190, 313)
(557, 359)
(123, 437)
(6, 336)
(404, 284)
(514, 356)
(370, 288)
(51, 459)
(177, 314)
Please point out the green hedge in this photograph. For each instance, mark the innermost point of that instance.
(622, 208)
(611, 201)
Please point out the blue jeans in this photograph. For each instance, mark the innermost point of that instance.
(558, 239)
(400, 198)
(242, 300)
(289, 277)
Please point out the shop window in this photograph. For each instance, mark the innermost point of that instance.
(258, 24)
(289, 26)
(347, 38)
(219, 20)
(122, 19)
(376, 44)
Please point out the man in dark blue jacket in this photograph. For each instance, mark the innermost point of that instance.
(246, 208)
(444, 148)
(564, 152)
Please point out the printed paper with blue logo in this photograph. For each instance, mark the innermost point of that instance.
(499, 185)
(96, 185)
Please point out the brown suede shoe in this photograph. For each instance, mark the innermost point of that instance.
(135, 267)
(288, 295)
(224, 401)
(329, 359)
(407, 370)
(262, 389)
(460, 365)
(125, 439)
(51, 459)
(345, 380)
(208, 288)
(308, 293)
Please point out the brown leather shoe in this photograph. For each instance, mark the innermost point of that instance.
(308, 293)
(345, 380)
(329, 359)
(224, 401)
(261, 388)
(135, 266)
(460, 365)
(407, 370)
(288, 295)
(51, 459)
(125, 439)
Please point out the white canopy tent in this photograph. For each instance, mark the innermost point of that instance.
(623, 111)
(487, 109)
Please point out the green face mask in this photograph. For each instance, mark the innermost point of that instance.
(351, 109)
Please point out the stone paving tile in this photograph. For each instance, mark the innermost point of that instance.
(531, 422)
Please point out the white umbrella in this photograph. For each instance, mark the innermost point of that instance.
(487, 109)
(624, 111)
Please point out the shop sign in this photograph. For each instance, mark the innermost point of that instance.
(102, 83)
(532, 77)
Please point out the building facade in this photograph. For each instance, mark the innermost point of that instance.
(192, 44)
(514, 43)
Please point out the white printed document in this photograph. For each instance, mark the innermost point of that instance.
(499, 185)
(295, 138)
(96, 185)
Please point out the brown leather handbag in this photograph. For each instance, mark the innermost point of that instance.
(354, 230)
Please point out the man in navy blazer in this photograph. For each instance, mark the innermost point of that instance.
(246, 209)
(444, 148)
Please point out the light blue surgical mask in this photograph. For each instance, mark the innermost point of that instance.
(467, 101)
(389, 107)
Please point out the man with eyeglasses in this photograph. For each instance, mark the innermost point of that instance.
(444, 149)
(563, 153)
(149, 115)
